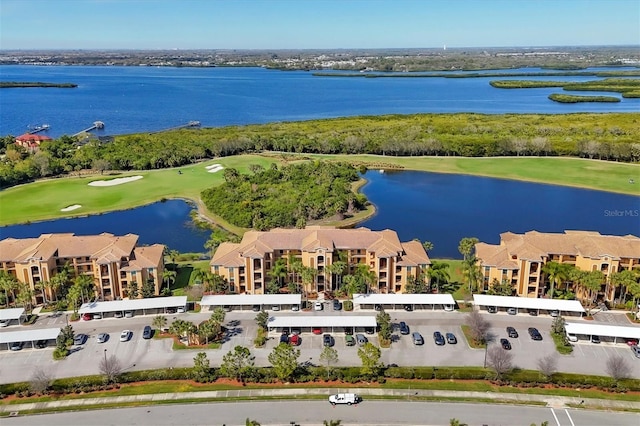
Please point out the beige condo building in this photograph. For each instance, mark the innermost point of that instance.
(114, 262)
(246, 265)
(519, 258)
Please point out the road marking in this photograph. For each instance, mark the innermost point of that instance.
(554, 416)
(570, 419)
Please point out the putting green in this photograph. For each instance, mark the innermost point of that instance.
(44, 199)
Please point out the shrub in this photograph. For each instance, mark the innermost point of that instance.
(347, 305)
(60, 353)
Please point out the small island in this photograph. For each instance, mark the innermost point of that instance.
(22, 84)
(574, 99)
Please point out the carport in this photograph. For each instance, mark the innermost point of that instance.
(529, 303)
(143, 305)
(11, 314)
(32, 336)
(332, 323)
(399, 301)
(591, 329)
(247, 301)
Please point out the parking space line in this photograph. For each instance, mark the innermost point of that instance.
(554, 416)
(570, 419)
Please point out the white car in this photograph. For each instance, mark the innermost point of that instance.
(4, 323)
(181, 309)
(318, 306)
(572, 337)
(125, 336)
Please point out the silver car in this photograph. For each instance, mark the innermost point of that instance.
(102, 337)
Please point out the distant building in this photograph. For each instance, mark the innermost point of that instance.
(114, 262)
(519, 258)
(31, 142)
(248, 265)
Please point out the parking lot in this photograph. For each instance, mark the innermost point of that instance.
(139, 353)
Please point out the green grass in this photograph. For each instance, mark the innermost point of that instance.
(559, 341)
(573, 99)
(43, 200)
(466, 330)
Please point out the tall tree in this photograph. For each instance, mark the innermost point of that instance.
(329, 356)
(556, 273)
(201, 367)
(438, 271)
(370, 357)
(238, 363)
(284, 359)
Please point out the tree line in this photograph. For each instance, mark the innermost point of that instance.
(604, 136)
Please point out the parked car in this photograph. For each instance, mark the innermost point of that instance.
(284, 338)
(182, 309)
(41, 344)
(128, 314)
(16, 346)
(438, 338)
(512, 311)
(370, 330)
(349, 340)
(295, 308)
(172, 310)
(636, 351)
(451, 338)
(318, 306)
(327, 340)
(125, 336)
(316, 330)
(226, 308)
(97, 316)
(102, 337)
(572, 337)
(147, 332)
(404, 328)
(377, 307)
(79, 339)
(118, 314)
(256, 308)
(295, 340)
(511, 332)
(345, 398)
(337, 306)
(361, 339)
(348, 330)
(87, 317)
(448, 308)
(554, 313)
(295, 331)
(533, 312)
(505, 344)
(5, 322)
(595, 339)
(492, 309)
(275, 307)
(417, 338)
(408, 308)
(534, 333)
(632, 342)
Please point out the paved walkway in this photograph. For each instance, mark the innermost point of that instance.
(549, 400)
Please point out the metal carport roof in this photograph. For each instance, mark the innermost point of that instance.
(29, 335)
(528, 303)
(251, 299)
(403, 299)
(589, 329)
(13, 313)
(134, 304)
(322, 321)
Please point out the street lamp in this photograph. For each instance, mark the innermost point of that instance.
(67, 317)
(486, 346)
(105, 357)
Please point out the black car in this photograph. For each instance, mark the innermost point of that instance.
(492, 309)
(41, 344)
(408, 308)
(348, 331)
(256, 308)
(438, 338)
(404, 328)
(16, 346)
(512, 332)
(369, 330)
(534, 333)
(505, 344)
(533, 312)
(327, 340)
(595, 339)
(377, 307)
(284, 338)
(147, 333)
(337, 306)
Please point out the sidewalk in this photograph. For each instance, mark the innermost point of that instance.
(550, 400)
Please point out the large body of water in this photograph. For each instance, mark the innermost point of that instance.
(138, 99)
(434, 207)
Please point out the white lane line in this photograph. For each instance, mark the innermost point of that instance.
(570, 419)
(554, 416)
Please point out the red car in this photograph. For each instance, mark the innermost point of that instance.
(632, 342)
(86, 317)
(316, 330)
(294, 340)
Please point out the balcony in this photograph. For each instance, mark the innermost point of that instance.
(257, 276)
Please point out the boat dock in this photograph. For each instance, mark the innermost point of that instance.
(36, 129)
(192, 123)
(96, 125)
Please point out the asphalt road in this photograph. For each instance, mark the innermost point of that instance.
(308, 413)
(138, 353)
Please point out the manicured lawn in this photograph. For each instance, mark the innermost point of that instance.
(43, 200)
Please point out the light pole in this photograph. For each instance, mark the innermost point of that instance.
(67, 317)
(105, 358)
(486, 347)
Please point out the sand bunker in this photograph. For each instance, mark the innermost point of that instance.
(214, 168)
(112, 182)
(69, 208)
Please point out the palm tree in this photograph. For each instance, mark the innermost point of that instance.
(591, 283)
(438, 271)
(25, 296)
(159, 322)
(169, 277)
(86, 284)
(366, 275)
(308, 276)
(43, 286)
(471, 271)
(626, 279)
(9, 284)
(557, 273)
(278, 272)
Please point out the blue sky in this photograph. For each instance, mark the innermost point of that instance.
(307, 24)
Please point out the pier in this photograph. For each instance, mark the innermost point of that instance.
(96, 125)
(192, 123)
(36, 129)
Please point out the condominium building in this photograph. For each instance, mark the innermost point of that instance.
(247, 265)
(114, 262)
(519, 258)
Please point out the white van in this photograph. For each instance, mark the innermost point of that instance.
(344, 398)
